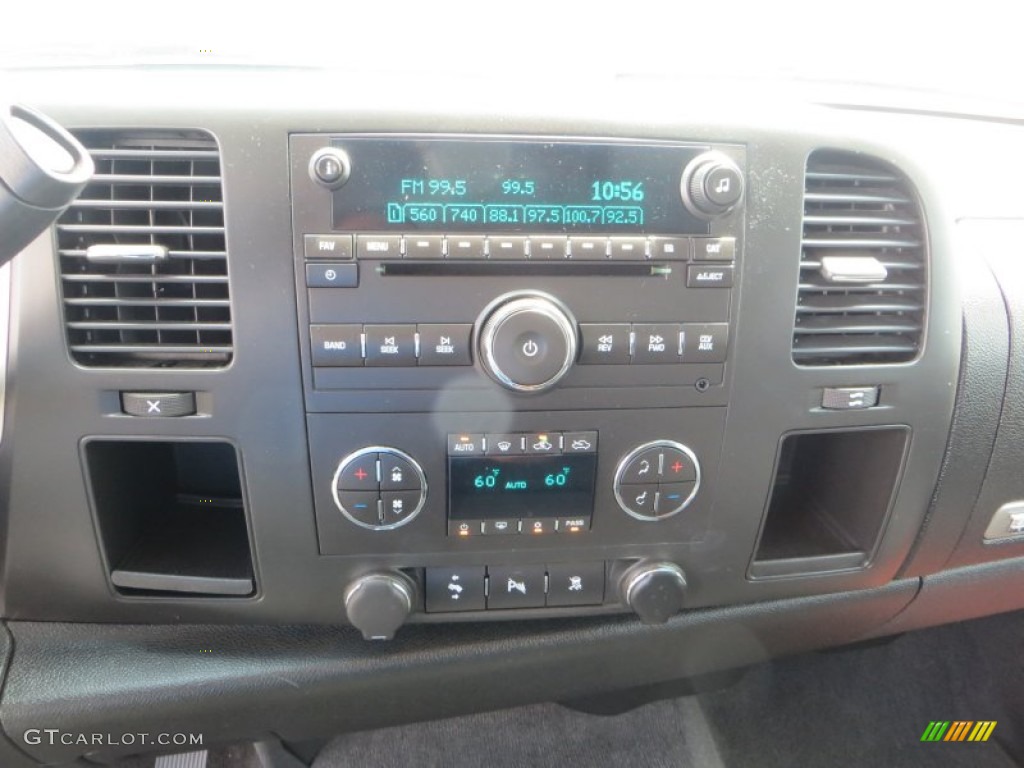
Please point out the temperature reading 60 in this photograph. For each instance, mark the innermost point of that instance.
(557, 479)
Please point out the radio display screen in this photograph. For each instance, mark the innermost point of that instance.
(487, 185)
(491, 488)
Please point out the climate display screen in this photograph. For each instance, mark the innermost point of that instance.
(521, 486)
(487, 185)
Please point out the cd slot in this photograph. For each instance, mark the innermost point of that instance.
(519, 268)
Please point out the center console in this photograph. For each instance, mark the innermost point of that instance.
(515, 363)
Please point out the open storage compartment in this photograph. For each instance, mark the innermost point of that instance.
(830, 500)
(171, 516)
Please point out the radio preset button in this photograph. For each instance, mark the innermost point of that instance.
(390, 345)
(379, 246)
(507, 247)
(588, 247)
(709, 276)
(336, 345)
(705, 342)
(467, 246)
(670, 248)
(714, 248)
(628, 248)
(656, 342)
(465, 444)
(424, 246)
(549, 247)
(604, 343)
(445, 344)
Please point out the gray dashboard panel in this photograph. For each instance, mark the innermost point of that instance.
(258, 401)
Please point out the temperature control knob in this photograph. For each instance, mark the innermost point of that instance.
(379, 603)
(655, 591)
(712, 185)
(527, 341)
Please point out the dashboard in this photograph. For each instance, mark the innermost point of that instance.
(404, 395)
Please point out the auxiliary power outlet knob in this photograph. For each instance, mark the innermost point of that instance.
(712, 185)
(379, 603)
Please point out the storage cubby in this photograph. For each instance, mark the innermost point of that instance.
(830, 500)
(171, 517)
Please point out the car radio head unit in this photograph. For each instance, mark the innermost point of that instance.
(480, 185)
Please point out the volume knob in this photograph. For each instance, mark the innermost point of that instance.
(712, 185)
(527, 341)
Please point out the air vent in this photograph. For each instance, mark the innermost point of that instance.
(143, 257)
(863, 278)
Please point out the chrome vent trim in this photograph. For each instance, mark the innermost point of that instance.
(860, 208)
(151, 188)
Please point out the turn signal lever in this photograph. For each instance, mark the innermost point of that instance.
(43, 168)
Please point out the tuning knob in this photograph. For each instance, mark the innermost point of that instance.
(655, 591)
(378, 604)
(712, 185)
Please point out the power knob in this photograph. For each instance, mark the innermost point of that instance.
(655, 591)
(379, 603)
(712, 185)
(527, 341)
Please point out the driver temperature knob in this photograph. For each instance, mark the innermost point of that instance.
(527, 341)
(379, 603)
(655, 591)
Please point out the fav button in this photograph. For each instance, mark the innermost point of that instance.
(328, 246)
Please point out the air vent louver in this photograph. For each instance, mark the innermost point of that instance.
(153, 188)
(862, 209)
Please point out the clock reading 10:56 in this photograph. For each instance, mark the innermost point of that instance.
(605, 190)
